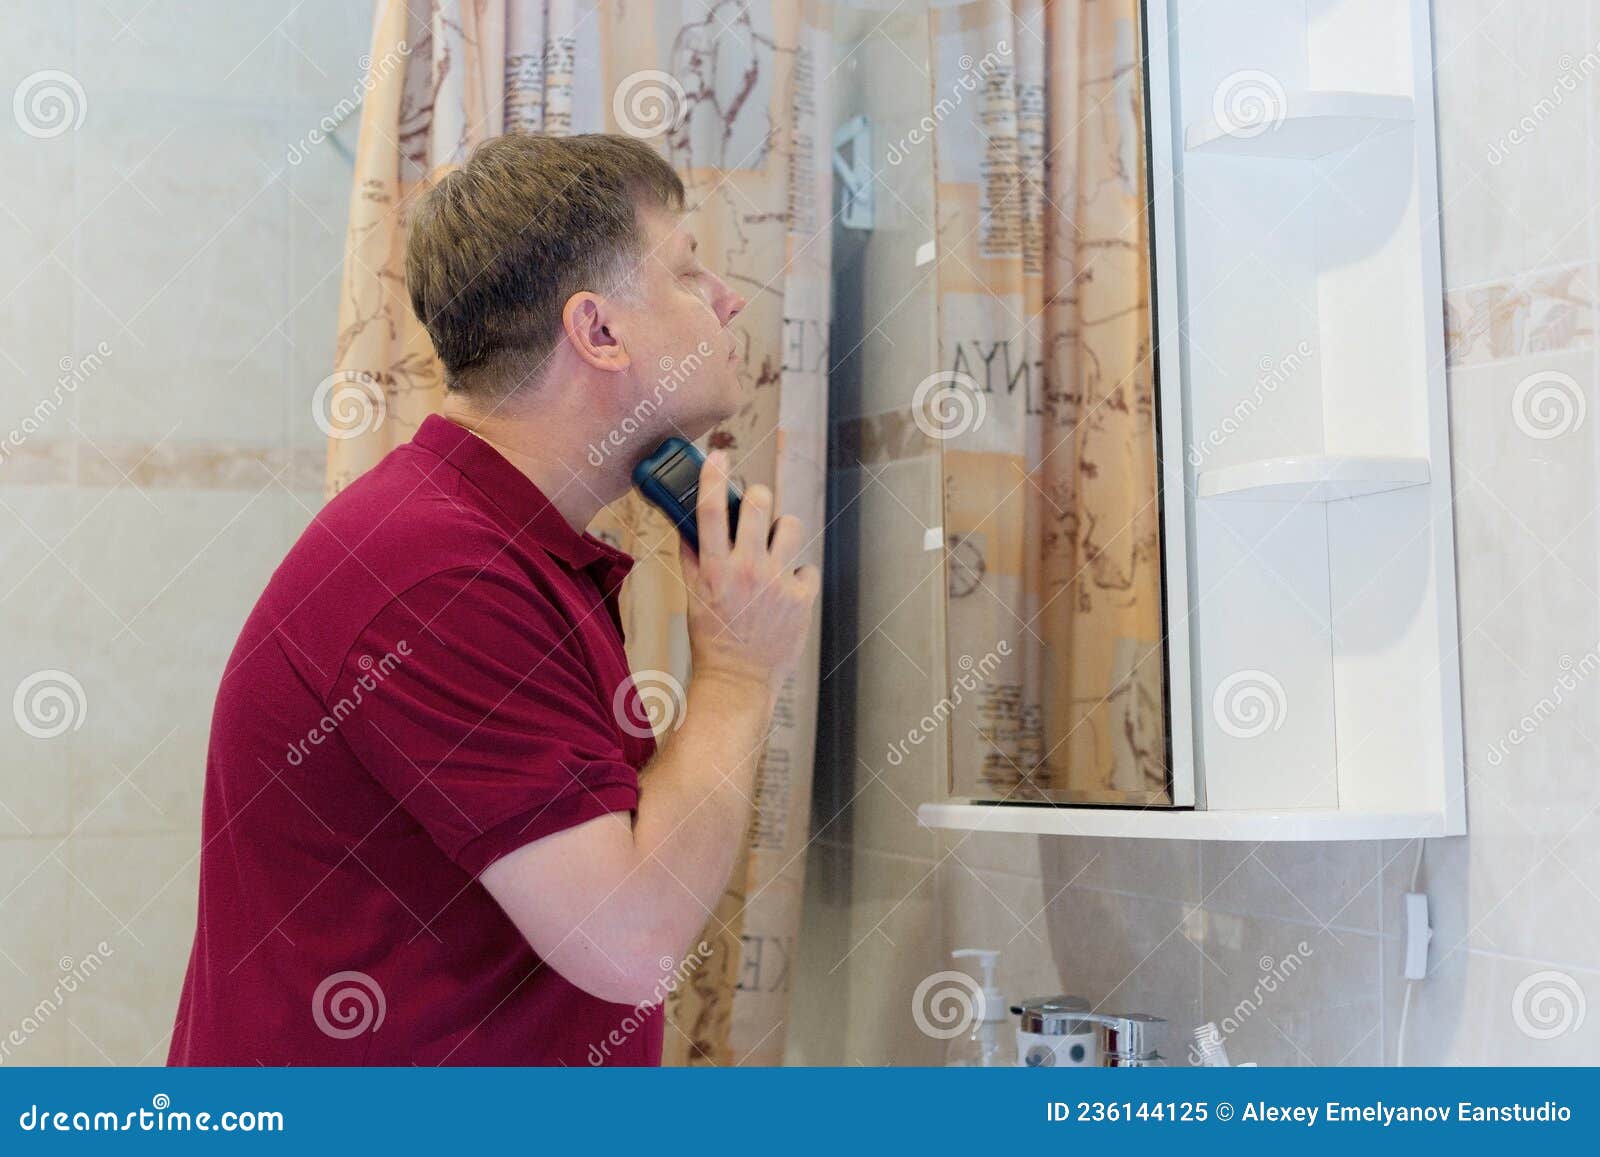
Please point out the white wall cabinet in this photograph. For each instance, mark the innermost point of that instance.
(1309, 545)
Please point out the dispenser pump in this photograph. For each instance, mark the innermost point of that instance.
(994, 1005)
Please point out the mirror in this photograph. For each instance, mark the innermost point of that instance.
(1043, 404)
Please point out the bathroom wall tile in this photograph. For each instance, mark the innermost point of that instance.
(138, 894)
(1520, 432)
(1543, 312)
(1289, 994)
(325, 44)
(34, 946)
(887, 341)
(45, 650)
(1482, 200)
(183, 272)
(996, 910)
(1538, 1014)
(1451, 1019)
(1164, 869)
(899, 668)
(1130, 954)
(233, 51)
(882, 804)
(179, 571)
(1526, 899)
(893, 947)
(1552, 165)
(819, 1004)
(318, 210)
(902, 580)
(1017, 855)
(1323, 884)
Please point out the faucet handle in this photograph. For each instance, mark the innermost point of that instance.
(1131, 1038)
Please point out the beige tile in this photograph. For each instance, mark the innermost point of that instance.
(326, 44)
(138, 894)
(1450, 1018)
(1163, 869)
(182, 269)
(131, 46)
(1003, 912)
(893, 947)
(1482, 201)
(819, 1003)
(1320, 884)
(318, 210)
(54, 728)
(180, 572)
(1539, 1014)
(1129, 954)
(1289, 994)
(1008, 852)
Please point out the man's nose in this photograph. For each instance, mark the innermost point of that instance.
(730, 303)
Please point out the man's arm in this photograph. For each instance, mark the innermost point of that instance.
(611, 905)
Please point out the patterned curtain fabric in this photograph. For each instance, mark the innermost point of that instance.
(1045, 402)
(735, 95)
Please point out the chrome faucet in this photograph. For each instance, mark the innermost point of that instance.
(1129, 1040)
(1060, 1030)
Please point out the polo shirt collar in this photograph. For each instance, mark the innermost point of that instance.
(520, 500)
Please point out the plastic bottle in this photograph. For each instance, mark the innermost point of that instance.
(985, 1043)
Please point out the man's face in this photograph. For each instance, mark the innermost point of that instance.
(677, 336)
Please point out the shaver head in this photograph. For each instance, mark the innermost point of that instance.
(669, 479)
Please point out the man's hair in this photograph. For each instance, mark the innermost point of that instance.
(499, 245)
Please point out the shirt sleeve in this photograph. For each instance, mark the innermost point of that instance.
(475, 708)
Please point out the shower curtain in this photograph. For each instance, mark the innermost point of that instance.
(735, 95)
(1044, 401)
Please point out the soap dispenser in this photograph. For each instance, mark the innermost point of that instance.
(983, 1044)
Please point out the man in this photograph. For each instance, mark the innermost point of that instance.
(434, 829)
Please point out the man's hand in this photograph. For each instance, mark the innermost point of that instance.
(612, 906)
(749, 604)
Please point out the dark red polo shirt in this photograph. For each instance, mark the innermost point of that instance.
(426, 684)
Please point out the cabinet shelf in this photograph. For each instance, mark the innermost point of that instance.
(1178, 824)
(1310, 478)
(1312, 124)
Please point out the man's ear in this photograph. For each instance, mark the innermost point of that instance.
(591, 325)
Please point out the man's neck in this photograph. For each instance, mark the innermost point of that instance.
(547, 454)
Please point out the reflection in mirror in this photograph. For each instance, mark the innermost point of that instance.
(1044, 404)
